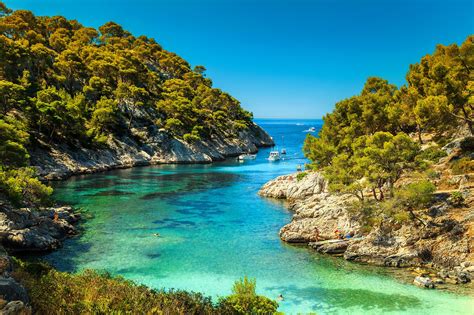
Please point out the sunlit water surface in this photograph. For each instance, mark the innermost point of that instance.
(214, 229)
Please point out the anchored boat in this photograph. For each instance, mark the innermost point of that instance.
(274, 156)
(247, 156)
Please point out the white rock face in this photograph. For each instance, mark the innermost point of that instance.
(289, 187)
(144, 146)
(317, 213)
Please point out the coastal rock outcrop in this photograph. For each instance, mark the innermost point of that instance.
(317, 213)
(442, 240)
(25, 229)
(145, 145)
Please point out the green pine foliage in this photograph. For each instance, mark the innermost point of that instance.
(370, 140)
(62, 82)
(64, 78)
(364, 142)
(244, 300)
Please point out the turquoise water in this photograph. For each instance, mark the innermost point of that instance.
(215, 229)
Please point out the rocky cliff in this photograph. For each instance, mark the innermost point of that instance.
(143, 145)
(444, 242)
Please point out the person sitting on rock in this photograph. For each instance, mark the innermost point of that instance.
(316, 234)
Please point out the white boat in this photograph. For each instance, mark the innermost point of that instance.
(274, 156)
(283, 150)
(246, 156)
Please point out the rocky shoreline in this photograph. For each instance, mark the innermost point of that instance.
(27, 230)
(143, 146)
(441, 251)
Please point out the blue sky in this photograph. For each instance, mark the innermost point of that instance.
(284, 59)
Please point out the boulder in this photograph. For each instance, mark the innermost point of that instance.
(15, 308)
(11, 290)
(424, 282)
(330, 247)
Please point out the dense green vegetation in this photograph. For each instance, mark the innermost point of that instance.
(90, 292)
(370, 140)
(61, 82)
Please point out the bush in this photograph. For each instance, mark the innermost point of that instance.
(190, 138)
(244, 300)
(91, 292)
(467, 144)
(22, 187)
(367, 213)
(416, 195)
(301, 175)
(462, 166)
(433, 154)
(456, 199)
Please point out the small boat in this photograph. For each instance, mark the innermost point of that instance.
(311, 129)
(274, 156)
(246, 156)
(283, 150)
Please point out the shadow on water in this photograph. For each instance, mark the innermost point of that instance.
(349, 298)
(174, 223)
(63, 262)
(113, 192)
(192, 183)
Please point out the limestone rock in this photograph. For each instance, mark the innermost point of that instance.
(16, 308)
(144, 146)
(35, 230)
(289, 187)
(330, 247)
(424, 282)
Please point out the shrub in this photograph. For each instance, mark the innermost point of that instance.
(91, 292)
(433, 154)
(462, 166)
(467, 144)
(240, 125)
(174, 125)
(244, 300)
(416, 195)
(432, 174)
(22, 187)
(367, 213)
(190, 138)
(456, 199)
(301, 175)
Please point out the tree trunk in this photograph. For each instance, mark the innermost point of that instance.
(468, 121)
(375, 194)
(419, 134)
